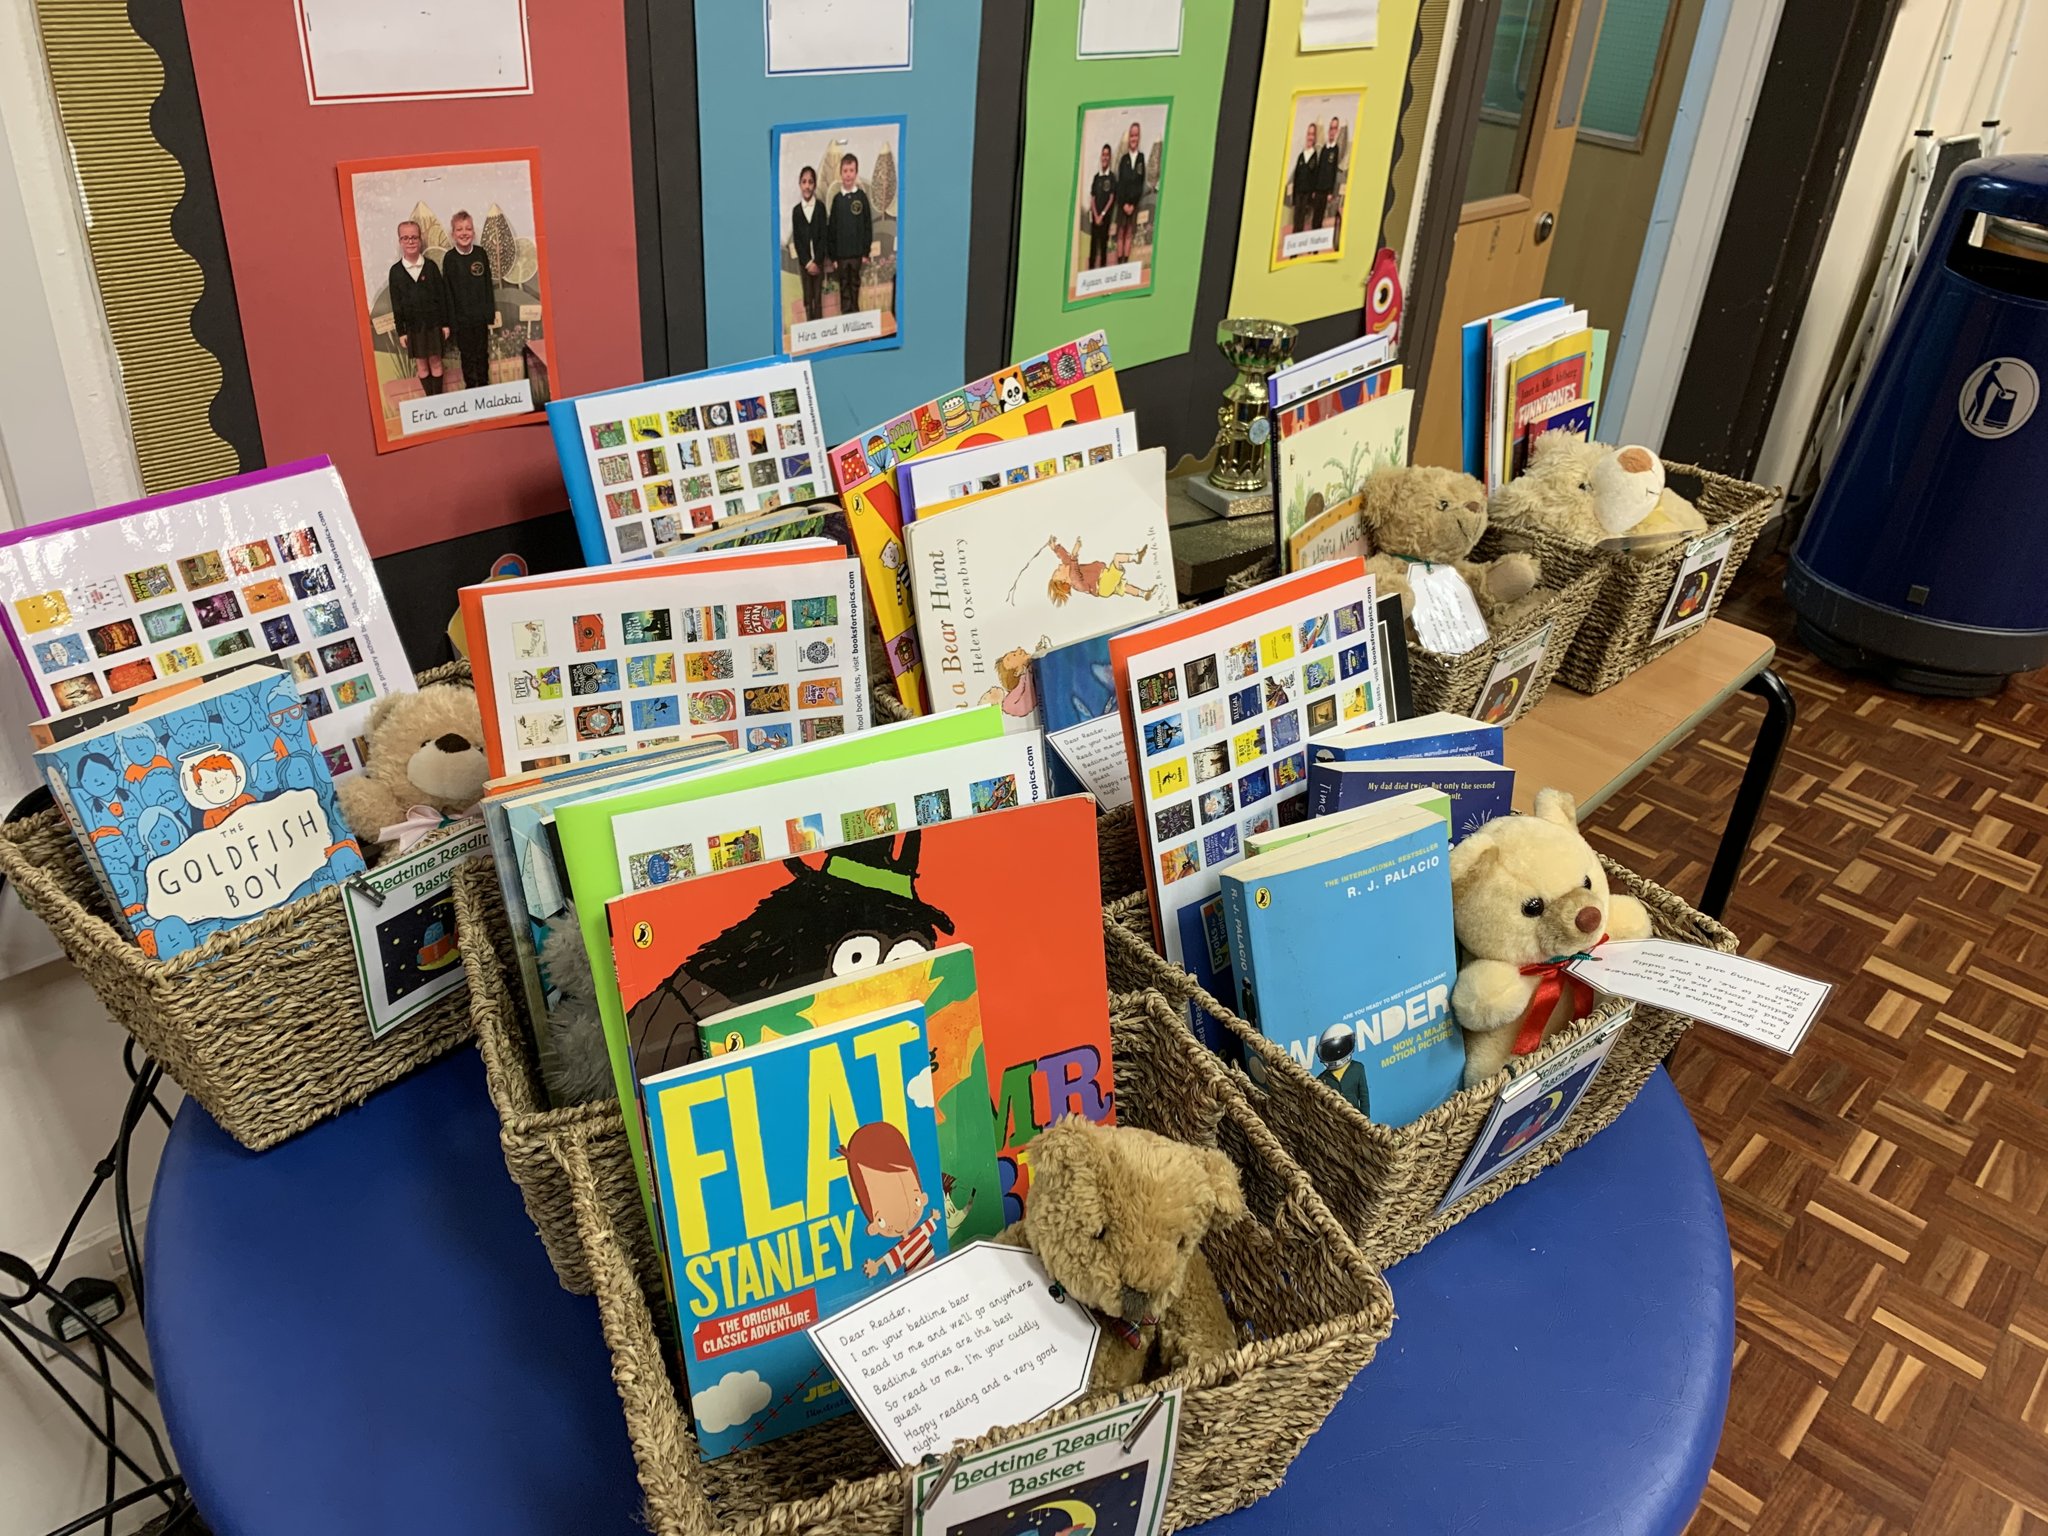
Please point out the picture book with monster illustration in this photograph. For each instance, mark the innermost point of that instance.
(795, 1178)
(1022, 887)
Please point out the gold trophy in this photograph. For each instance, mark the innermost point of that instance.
(1257, 349)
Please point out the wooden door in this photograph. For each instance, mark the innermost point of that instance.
(1528, 121)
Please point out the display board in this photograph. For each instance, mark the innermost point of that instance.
(1148, 123)
(303, 304)
(891, 329)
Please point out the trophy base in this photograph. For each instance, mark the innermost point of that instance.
(1224, 503)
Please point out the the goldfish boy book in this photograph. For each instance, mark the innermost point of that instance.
(794, 1178)
(204, 810)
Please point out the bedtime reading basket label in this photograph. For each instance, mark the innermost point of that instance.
(1101, 1476)
(1745, 997)
(958, 1347)
(401, 918)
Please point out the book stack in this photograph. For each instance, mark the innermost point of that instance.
(1337, 417)
(1452, 755)
(1526, 371)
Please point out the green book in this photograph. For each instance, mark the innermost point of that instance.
(585, 829)
(943, 981)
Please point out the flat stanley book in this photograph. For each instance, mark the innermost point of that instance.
(793, 1178)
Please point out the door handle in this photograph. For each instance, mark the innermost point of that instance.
(1544, 226)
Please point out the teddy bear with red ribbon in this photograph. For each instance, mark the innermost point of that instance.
(1528, 896)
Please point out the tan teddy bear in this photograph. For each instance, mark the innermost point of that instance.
(1420, 514)
(1117, 1215)
(1592, 494)
(1527, 892)
(426, 752)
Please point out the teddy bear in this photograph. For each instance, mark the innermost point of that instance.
(1423, 515)
(1592, 494)
(1528, 893)
(425, 766)
(1117, 1215)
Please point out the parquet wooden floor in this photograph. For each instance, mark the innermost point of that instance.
(1885, 1188)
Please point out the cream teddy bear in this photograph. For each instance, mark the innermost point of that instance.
(1592, 494)
(426, 764)
(1528, 891)
(1117, 1215)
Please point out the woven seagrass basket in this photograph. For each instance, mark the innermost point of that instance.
(1384, 1183)
(1310, 1312)
(1614, 640)
(263, 1024)
(525, 1123)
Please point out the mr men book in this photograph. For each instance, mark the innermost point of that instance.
(794, 1178)
(1022, 888)
(204, 810)
(942, 982)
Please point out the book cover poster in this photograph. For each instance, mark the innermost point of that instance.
(1021, 887)
(795, 1178)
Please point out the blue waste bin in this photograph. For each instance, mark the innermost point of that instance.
(1925, 556)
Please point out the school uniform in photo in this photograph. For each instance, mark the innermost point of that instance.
(852, 231)
(1101, 207)
(1130, 188)
(1325, 183)
(419, 307)
(810, 235)
(473, 304)
(1301, 187)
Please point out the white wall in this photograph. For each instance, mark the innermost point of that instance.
(1837, 295)
(64, 446)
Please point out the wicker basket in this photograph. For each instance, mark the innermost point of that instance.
(1384, 1182)
(1615, 638)
(1453, 683)
(262, 1024)
(1311, 1313)
(526, 1126)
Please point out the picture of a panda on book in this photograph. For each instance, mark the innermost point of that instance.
(857, 908)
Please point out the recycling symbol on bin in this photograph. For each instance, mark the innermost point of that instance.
(1998, 397)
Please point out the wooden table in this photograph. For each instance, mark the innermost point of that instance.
(1590, 745)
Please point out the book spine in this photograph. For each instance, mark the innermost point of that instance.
(1236, 922)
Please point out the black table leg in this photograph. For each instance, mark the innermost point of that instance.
(1780, 711)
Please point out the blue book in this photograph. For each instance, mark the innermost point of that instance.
(1478, 790)
(793, 1178)
(1437, 735)
(205, 809)
(1372, 1021)
(1076, 695)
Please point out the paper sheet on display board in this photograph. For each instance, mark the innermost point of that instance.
(831, 37)
(1308, 290)
(1074, 105)
(413, 50)
(265, 564)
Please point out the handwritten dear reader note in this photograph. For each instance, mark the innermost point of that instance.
(1744, 997)
(959, 1347)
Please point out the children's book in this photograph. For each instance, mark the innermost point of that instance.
(1075, 693)
(1219, 707)
(589, 851)
(1544, 380)
(1575, 418)
(1313, 375)
(942, 982)
(1324, 447)
(823, 810)
(1068, 384)
(1372, 1021)
(811, 520)
(1022, 887)
(1479, 790)
(794, 1179)
(1435, 801)
(1006, 578)
(1474, 340)
(52, 729)
(1435, 735)
(1516, 352)
(264, 564)
(205, 809)
(765, 647)
(939, 482)
(649, 463)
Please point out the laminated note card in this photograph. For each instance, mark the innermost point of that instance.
(1744, 997)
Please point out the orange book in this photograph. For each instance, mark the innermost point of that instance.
(1022, 888)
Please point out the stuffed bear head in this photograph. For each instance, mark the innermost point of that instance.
(426, 748)
(1422, 512)
(1117, 1213)
(1626, 484)
(1525, 889)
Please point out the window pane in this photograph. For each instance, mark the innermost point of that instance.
(1521, 36)
(1618, 92)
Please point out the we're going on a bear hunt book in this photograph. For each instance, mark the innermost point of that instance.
(1022, 887)
(205, 809)
(793, 1179)
(1377, 1029)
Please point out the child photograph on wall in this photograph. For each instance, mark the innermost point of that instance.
(449, 260)
(838, 201)
(1118, 166)
(1315, 179)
